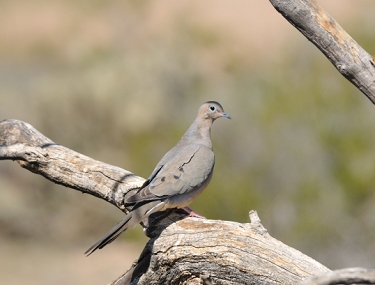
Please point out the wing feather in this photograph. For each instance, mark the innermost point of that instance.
(187, 168)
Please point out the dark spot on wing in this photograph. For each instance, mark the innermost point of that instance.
(176, 177)
(181, 169)
(163, 179)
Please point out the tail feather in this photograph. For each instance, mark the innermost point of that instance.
(129, 221)
(111, 235)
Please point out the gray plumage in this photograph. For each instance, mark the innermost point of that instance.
(179, 177)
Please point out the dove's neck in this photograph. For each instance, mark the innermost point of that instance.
(199, 132)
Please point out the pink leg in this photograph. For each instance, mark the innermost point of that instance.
(192, 213)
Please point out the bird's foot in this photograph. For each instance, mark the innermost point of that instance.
(191, 213)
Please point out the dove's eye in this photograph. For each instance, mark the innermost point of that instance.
(212, 108)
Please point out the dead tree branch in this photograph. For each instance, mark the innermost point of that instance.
(180, 250)
(200, 251)
(343, 276)
(37, 153)
(349, 58)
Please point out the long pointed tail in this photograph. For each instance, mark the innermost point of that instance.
(111, 235)
(129, 221)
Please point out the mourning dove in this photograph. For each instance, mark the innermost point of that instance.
(179, 177)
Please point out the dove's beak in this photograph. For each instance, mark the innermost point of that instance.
(226, 115)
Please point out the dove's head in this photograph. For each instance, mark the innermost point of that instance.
(212, 110)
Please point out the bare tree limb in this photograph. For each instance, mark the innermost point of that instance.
(350, 59)
(33, 151)
(200, 251)
(180, 250)
(343, 276)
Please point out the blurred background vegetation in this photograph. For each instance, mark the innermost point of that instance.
(120, 81)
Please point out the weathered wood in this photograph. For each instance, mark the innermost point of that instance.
(37, 153)
(200, 251)
(181, 250)
(349, 58)
(343, 276)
